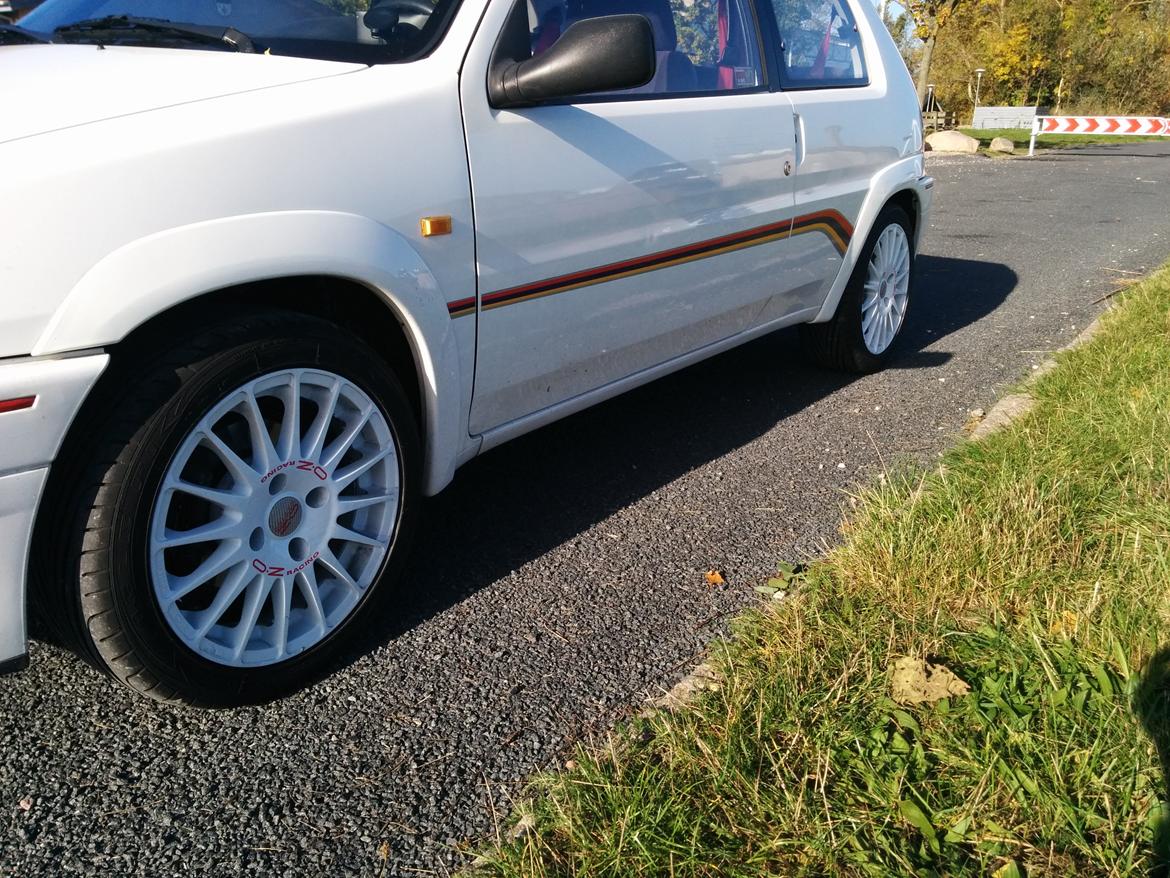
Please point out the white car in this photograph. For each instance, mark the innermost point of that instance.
(272, 270)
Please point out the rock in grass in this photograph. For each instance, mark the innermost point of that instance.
(952, 141)
(1003, 144)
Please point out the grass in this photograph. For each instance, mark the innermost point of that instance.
(1022, 136)
(1035, 565)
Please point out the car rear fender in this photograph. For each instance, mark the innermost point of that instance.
(903, 175)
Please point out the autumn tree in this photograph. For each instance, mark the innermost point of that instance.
(1082, 56)
(930, 17)
(902, 29)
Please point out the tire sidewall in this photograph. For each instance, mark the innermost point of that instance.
(203, 385)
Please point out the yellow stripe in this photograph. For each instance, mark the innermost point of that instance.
(730, 248)
(829, 231)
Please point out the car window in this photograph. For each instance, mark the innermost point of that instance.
(819, 43)
(701, 45)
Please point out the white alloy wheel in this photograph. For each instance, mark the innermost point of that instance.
(274, 517)
(887, 288)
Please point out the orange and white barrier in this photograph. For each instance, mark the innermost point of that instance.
(1137, 126)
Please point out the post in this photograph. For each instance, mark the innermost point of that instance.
(1035, 131)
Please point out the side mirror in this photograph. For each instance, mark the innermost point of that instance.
(594, 54)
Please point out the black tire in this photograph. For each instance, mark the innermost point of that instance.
(90, 552)
(839, 343)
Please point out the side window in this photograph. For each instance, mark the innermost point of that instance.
(819, 43)
(701, 45)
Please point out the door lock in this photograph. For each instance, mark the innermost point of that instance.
(788, 169)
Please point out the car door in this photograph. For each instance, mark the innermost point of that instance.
(845, 133)
(615, 232)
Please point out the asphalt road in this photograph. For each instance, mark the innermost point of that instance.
(561, 578)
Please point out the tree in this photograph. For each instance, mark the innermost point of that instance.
(930, 17)
(1080, 56)
(901, 28)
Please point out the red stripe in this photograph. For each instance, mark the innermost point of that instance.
(665, 255)
(831, 217)
(15, 405)
(614, 267)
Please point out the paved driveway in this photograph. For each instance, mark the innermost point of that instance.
(561, 581)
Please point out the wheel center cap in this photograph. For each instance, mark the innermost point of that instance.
(285, 516)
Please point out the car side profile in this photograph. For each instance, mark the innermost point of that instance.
(274, 270)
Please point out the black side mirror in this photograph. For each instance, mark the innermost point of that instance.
(594, 54)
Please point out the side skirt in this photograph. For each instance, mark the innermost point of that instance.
(505, 432)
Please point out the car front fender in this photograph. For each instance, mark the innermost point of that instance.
(153, 274)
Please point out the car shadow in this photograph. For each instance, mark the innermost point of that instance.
(521, 500)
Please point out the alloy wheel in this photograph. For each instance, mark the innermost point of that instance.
(887, 288)
(274, 517)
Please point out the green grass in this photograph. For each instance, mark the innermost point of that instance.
(1022, 136)
(1036, 566)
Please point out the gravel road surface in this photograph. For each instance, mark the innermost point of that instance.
(560, 580)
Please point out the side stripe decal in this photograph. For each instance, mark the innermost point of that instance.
(829, 222)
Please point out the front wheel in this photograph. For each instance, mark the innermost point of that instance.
(862, 334)
(257, 489)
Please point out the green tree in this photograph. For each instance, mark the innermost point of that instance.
(697, 24)
(901, 28)
(930, 18)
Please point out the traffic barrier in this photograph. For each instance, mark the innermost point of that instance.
(1136, 126)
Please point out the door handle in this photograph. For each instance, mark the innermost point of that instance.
(798, 127)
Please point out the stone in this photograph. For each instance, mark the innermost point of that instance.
(952, 141)
(1002, 144)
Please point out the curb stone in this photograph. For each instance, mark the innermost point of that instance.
(1014, 406)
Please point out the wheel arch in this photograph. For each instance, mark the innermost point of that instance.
(898, 184)
(341, 267)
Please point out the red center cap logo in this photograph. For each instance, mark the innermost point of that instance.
(285, 517)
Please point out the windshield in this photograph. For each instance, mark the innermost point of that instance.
(337, 30)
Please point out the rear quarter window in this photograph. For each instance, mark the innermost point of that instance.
(819, 44)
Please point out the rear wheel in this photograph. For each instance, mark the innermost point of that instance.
(862, 334)
(251, 502)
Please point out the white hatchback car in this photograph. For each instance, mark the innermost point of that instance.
(273, 269)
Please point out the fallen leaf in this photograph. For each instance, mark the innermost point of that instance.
(26, 803)
(915, 681)
(714, 577)
(524, 827)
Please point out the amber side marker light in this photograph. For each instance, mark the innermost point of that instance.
(434, 225)
(15, 405)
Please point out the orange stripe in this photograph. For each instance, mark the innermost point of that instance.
(829, 222)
